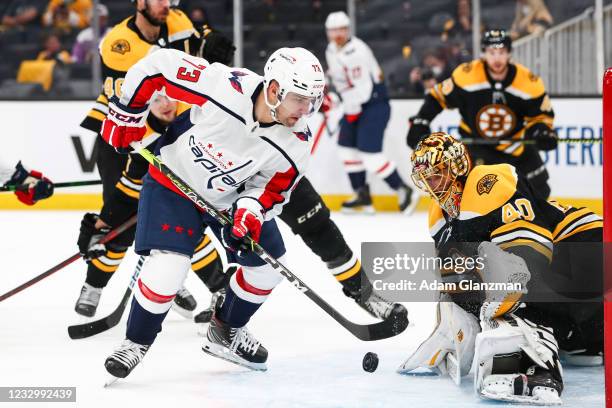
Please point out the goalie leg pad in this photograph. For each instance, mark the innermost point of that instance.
(517, 361)
(455, 334)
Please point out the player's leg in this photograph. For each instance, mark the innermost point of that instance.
(248, 288)
(370, 134)
(353, 165)
(308, 216)
(207, 265)
(99, 270)
(168, 229)
(576, 273)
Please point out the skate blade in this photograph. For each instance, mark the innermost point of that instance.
(367, 209)
(224, 354)
(183, 312)
(202, 329)
(110, 381)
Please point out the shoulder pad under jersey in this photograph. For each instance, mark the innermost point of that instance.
(526, 84)
(122, 47)
(471, 76)
(486, 189)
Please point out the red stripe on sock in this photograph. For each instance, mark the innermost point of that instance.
(248, 287)
(152, 296)
(383, 167)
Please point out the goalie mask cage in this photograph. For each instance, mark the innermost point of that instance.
(607, 192)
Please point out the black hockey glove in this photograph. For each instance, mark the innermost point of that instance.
(89, 236)
(212, 46)
(419, 129)
(545, 137)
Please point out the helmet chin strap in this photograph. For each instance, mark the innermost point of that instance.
(269, 105)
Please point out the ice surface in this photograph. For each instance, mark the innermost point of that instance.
(313, 361)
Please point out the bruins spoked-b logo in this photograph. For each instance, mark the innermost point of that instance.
(485, 184)
(120, 46)
(495, 121)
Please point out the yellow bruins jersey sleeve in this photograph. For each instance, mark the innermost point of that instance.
(122, 47)
(530, 88)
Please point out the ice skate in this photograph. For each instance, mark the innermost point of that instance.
(88, 300)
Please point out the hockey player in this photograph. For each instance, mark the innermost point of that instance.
(155, 25)
(31, 185)
(492, 211)
(497, 100)
(243, 146)
(357, 77)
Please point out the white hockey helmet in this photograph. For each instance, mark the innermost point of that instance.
(297, 71)
(337, 19)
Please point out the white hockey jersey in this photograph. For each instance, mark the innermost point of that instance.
(219, 148)
(354, 71)
(6, 172)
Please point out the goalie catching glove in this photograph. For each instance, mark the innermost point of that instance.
(123, 125)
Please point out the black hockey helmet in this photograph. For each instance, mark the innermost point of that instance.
(496, 38)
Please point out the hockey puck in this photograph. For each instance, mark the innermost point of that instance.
(370, 362)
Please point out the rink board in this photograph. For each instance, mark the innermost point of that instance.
(47, 136)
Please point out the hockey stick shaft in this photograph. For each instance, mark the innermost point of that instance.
(55, 185)
(108, 237)
(317, 137)
(81, 331)
(376, 331)
(495, 142)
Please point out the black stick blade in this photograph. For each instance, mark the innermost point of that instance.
(81, 331)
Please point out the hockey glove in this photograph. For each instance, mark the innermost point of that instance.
(545, 137)
(89, 236)
(212, 46)
(123, 125)
(31, 186)
(247, 221)
(419, 129)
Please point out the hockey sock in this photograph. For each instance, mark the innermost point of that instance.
(100, 270)
(235, 311)
(358, 179)
(142, 325)
(394, 180)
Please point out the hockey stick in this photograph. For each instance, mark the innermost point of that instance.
(108, 237)
(495, 142)
(393, 325)
(55, 185)
(84, 330)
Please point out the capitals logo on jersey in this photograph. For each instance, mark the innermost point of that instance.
(235, 80)
(303, 136)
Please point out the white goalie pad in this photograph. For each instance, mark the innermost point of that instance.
(506, 337)
(450, 348)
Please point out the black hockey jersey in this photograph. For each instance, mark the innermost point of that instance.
(491, 109)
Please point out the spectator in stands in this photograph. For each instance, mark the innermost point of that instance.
(66, 15)
(20, 13)
(435, 67)
(532, 17)
(198, 16)
(53, 50)
(84, 48)
(461, 24)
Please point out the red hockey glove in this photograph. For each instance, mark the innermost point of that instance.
(248, 218)
(31, 186)
(123, 125)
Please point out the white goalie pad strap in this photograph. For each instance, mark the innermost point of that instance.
(162, 275)
(454, 333)
(511, 275)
